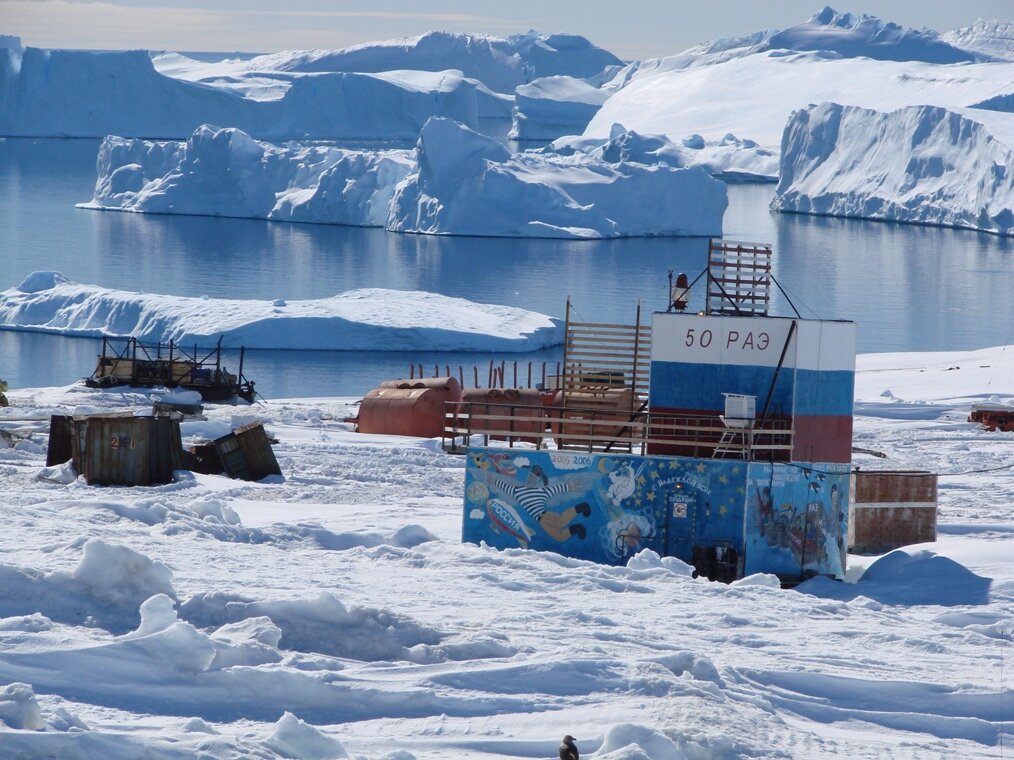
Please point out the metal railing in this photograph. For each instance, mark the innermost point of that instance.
(599, 429)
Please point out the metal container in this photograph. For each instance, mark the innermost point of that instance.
(124, 450)
(417, 410)
(246, 453)
(892, 509)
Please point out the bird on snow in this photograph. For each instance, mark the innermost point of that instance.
(568, 750)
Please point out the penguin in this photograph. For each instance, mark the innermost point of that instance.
(568, 750)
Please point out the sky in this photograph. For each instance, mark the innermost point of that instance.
(635, 29)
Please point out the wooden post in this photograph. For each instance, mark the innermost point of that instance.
(448, 368)
(566, 340)
(461, 376)
(422, 375)
(489, 384)
(476, 373)
(515, 374)
(411, 372)
(543, 375)
(436, 370)
(529, 374)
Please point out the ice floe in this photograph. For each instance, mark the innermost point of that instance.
(368, 319)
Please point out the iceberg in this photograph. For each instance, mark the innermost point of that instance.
(752, 96)
(469, 184)
(500, 63)
(373, 319)
(456, 182)
(922, 164)
(551, 107)
(74, 93)
(730, 159)
(993, 39)
(225, 172)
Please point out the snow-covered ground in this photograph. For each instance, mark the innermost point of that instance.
(370, 319)
(334, 611)
(921, 164)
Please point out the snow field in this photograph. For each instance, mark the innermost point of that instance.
(311, 619)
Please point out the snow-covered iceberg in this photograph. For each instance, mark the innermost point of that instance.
(551, 107)
(74, 93)
(224, 172)
(456, 182)
(369, 319)
(469, 184)
(730, 158)
(501, 63)
(922, 164)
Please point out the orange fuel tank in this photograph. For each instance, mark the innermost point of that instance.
(408, 407)
(521, 407)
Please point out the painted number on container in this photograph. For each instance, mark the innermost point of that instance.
(703, 340)
(122, 442)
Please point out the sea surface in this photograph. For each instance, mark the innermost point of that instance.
(909, 288)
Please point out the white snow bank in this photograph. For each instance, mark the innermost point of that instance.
(295, 739)
(19, 709)
(987, 37)
(75, 93)
(369, 319)
(224, 172)
(468, 184)
(500, 63)
(921, 164)
(729, 158)
(554, 106)
(754, 95)
(628, 741)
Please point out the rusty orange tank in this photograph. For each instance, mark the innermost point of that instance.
(408, 407)
(593, 416)
(522, 407)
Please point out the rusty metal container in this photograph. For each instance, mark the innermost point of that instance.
(592, 416)
(993, 416)
(417, 410)
(124, 450)
(891, 509)
(522, 408)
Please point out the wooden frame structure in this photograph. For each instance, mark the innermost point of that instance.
(739, 278)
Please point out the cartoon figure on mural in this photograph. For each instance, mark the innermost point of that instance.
(533, 494)
(622, 484)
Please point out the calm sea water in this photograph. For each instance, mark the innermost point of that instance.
(909, 288)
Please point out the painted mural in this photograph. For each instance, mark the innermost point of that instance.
(601, 507)
(784, 518)
(797, 519)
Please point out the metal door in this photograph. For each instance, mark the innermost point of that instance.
(681, 525)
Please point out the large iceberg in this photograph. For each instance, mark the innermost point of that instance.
(224, 172)
(921, 164)
(551, 107)
(753, 96)
(456, 182)
(73, 93)
(500, 63)
(371, 319)
(469, 184)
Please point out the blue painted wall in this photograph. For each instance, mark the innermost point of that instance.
(785, 518)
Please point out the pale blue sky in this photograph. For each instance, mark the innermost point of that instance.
(631, 29)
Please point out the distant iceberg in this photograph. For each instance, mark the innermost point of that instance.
(923, 164)
(224, 172)
(371, 319)
(456, 182)
(75, 93)
(469, 184)
(551, 107)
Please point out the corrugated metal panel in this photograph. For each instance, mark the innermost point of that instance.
(892, 509)
(246, 453)
(124, 450)
(61, 434)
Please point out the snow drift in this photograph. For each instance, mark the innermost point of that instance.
(224, 172)
(469, 184)
(369, 319)
(922, 164)
(73, 93)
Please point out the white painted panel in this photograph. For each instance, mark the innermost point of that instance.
(736, 341)
(837, 347)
